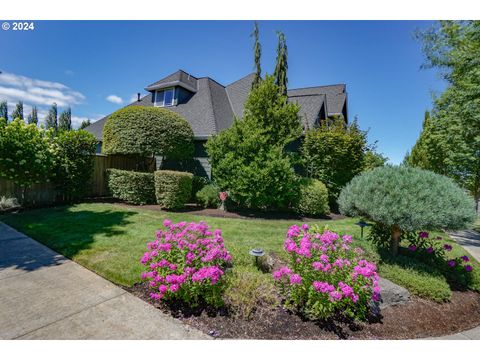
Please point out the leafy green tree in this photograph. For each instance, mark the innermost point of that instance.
(450, 141)
(73, 169)
(147, 131)
(334, 153)
(33, 117)
(402, 198)
(248, 159)
(4, 110)
(85, 123)
(18, 112)
(26, 156)
(281, 66)
(51, 122)
(373, 160)
(65, 120)
(257, 51)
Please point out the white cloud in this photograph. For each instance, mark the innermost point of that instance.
(114, 99)
(14, 88)
(69, 72)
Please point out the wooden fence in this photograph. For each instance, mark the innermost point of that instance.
(43, 194)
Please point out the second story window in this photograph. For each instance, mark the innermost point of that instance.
(165, 97)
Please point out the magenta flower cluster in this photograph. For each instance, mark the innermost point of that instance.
(326, 275)
(186, 261)
(424, 245)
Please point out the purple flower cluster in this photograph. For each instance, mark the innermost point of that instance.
(184, 257)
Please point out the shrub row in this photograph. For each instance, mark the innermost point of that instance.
(170, 189)
(133, 187)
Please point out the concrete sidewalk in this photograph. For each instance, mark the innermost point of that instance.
(469, 240)
(43, 295)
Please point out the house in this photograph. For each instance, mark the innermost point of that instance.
(210, 107)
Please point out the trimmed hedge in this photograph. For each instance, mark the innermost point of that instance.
(208, 197)
(133, 187)
(146, 131)
(313, 198)
(172, 188)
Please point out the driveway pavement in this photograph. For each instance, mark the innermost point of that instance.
(469, 239)
(43, 295)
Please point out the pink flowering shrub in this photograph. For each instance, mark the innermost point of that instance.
(186, 262)
(325, 276)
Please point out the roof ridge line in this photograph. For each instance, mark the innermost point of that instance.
(311, 87)
(240, 79)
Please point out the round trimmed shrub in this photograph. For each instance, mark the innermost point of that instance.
(313, 198)
(172, 188)
(131, 186)
(208, 197)
(148, 131)
(407, 199)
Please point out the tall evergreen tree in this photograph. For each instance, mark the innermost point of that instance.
(18, 112)
(281, 66)
(85, 123)
(33, 117)
(257, 54)
(65, 120)
(51, 121)
(4, 110)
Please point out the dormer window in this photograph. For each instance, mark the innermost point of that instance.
(165, 97)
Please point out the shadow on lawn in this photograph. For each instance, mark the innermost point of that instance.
(60, 229)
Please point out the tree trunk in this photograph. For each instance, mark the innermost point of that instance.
(395, 239)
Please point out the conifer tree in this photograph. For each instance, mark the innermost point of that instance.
(65, 120)
(257, 54)
(4, 110)
(281, 66)
(51, 121)
(18, 112)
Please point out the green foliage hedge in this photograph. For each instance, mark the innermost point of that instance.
(133, 187)
(208, 196)
(409, 198)
(26, 153)
(172, 188)
(148, 131)
(313, 198)
(74, 158)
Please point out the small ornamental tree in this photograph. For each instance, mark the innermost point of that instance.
(334, 153)
(407, 199)
(147, 131)
(26, 156)
(74, 157)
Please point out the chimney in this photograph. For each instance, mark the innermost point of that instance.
(138, 96)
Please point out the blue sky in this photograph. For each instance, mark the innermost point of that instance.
(97, 67)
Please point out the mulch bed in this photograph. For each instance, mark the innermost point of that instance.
(192, 209)
(417, 319)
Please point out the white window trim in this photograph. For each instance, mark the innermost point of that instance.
(162, 104)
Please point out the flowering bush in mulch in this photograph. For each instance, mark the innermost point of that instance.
(186, 262)
(433, 251)
(325, 276)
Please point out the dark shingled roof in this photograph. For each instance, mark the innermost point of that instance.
(212, 106)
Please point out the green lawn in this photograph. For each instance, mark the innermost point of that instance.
(110, 239)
